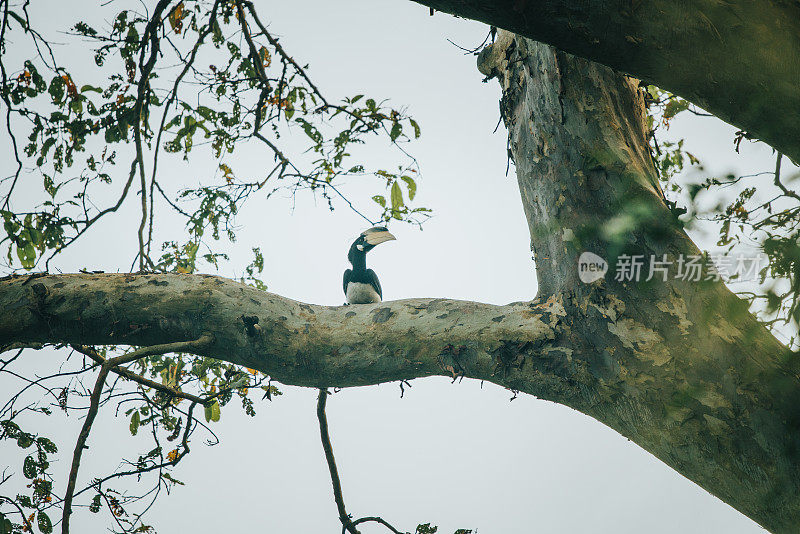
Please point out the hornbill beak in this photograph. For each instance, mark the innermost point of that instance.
(377, 235)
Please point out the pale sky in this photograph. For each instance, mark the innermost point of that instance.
(456, 455)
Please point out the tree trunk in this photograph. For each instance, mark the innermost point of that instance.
(680, 368)
(739, 59)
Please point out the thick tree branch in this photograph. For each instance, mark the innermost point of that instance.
(737, 59)
(295, 343)
(691, 377)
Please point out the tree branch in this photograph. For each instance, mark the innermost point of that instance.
(296, 343)
(348, 524)
(746, 74)
(344, 517)
(94, 405)
(578, 135)
(169, 391)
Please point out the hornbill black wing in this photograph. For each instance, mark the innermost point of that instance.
(348, 274)
(372, 279)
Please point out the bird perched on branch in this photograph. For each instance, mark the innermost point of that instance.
(361, 285)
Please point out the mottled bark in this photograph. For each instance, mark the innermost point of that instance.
(295, 343)
(739, 59)
(679, 367)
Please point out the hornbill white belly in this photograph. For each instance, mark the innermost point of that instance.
(361, 285)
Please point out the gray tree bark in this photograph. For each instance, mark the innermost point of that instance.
(680, 368)
(739, 59)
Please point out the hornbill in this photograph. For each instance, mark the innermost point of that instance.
(361, 285)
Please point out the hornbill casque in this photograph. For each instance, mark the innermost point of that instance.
(361, 285)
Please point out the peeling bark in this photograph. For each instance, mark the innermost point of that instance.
(295, 343)
(679, 367)
(739, 59)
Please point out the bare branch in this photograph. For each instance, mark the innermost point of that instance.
(344, 517)
(142, 99)
(25, 521)
(93, 220)
(7, 102)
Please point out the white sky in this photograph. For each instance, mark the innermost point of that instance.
(455, 455)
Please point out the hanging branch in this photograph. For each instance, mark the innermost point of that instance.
(140, 108)
(348, 525)
(344, 517)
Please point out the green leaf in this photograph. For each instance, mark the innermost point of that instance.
(380, 199)
(44, 523)
(29, 467)
(417, 131)
(5, 524)
(26, 252)
(397, 196)
(24, 440)
(206, 113)
(212, 412)
(91, 88)
(135, 420)
(674, 107)
(76, 106)
(112, 134)
(397, 129)
(167, 477)
(56, 89)
(412, 186)
(49, 142)
(94, 507)
(47, 445)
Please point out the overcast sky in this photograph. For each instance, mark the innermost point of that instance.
(456, 455)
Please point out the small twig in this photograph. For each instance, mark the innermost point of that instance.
(140, 107)
(282, 52)
(378, 520)
(7, 102)
(474, 51)
(786, 191)
(97, 217)
(173, 96)
(28, 525)
(92, 353)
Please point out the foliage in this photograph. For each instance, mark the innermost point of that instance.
(758, 211)
(199, 79)
(192, 75)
